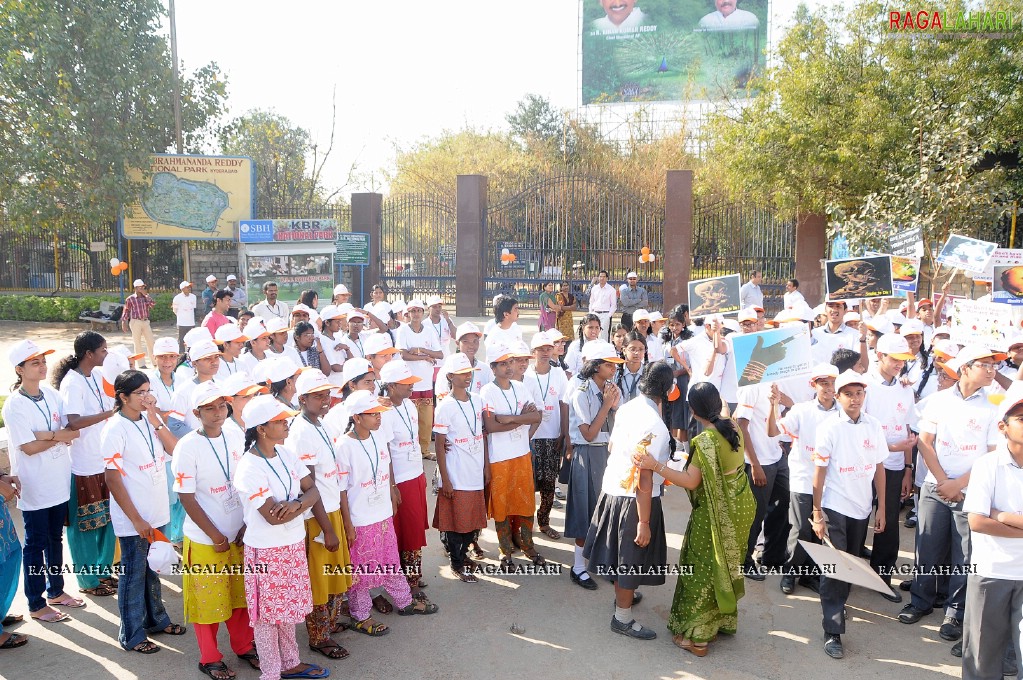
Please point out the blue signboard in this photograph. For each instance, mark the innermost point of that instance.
(256, 231)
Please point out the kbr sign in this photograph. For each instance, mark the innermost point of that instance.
(283, 231)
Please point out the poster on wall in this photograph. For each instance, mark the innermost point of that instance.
(668, 50)
(292, 274)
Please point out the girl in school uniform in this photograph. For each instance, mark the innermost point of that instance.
(589, 330)
(634, 354)
(325, 539)
(135, 445)
(231, 341)
(275, 489)
(204, 463)
(546, 384)
(10, 564)
(257, 348)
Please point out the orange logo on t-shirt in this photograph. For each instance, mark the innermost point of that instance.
(113, 460)
(180, 478)
(259, 494)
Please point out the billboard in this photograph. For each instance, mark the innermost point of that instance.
(282, 231)
(191, 197)
(663, 50)
(292, 274)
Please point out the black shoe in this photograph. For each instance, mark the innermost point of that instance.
(911, 614)
(910, 522)
(559, 494)
(637, 597)
(957, 650)
(906, 585)
(939, 600)
(833, 646)
(752, 572)
(951, 629)
(643, 633)
(811, 582)
(588, 584)
(788, 584)
(893, 595)
(866, 553)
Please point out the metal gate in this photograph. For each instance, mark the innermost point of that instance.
(567, 228)
(417, 249)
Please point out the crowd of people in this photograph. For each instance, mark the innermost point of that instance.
(282, 450)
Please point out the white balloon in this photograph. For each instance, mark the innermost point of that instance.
(114, 262)
(505, 251)
(652, 257)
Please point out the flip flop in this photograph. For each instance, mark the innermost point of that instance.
(12, 619)
(102, 590)
(313, 671)
(171, 629)
(251, 658)
(331, 650)
(53, 617)
(14, 640)
(145, 647)
(217, 667)
(66, 600)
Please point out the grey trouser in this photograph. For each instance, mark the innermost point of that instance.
(800, 508)
(847, 535)
(942, 528)
(772, 513)
(994, 612)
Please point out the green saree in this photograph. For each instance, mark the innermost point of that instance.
(706, 601)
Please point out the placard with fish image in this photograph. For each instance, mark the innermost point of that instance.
(861, 277)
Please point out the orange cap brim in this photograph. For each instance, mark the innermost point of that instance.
(675, 393)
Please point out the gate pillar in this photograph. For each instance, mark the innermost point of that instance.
(367, 209)
(811, 245)
(678, 237)
(470, 221)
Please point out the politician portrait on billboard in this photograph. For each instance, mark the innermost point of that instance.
(667, 50)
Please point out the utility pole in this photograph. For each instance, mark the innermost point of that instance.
(178, 141)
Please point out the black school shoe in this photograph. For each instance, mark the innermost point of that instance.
(833, 646)
(911, 614)
(788, 584)
(628, 629)
(588, 584)
(951, 629)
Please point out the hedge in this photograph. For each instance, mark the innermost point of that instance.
(64, 309)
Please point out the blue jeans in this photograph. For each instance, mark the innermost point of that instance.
(139, 599)
(43, 554)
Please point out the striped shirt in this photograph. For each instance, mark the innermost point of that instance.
(137, 306)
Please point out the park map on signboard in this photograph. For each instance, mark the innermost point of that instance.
(191, 197)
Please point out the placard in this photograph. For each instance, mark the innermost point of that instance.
(292, 274)
(907, 243)
(1008, 285)
(862, 277)
(905, 274)
(717, 295)
(842, 566)
(968, 254)
(776, 354)
(1001, 256)
(983, 323)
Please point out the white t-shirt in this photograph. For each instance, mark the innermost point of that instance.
(801, 424)
(442, 331)
(755, 407)
(184, 309)
(851, 452)
(513, 443)
(357, 346)
(584, 403)
(654, 348)
(135, 450)
(462, 424)
(484, 376)
(84, 397)
(793, 299)
(183, 404)
(45, 476)
(334, 357)
(258, 480)
(317, 449)
(381, 310)
(963, 429)
(401, 426)
(545, 391)
(635, 420)
(996, 482)
(278, 310)
(366, 476)
(699, 349)
(505, 336)
(406, 338)
(893, 406)
(204, 466)
(164, 393)
(227, 369)
(827, 342)
(247, 361)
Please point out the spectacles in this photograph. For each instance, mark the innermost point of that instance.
(141, 393)
(986, 366)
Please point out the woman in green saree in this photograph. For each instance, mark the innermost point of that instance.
(706, 602)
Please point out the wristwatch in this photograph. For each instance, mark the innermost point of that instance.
(910, 466)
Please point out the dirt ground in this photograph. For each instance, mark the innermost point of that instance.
(511, 626)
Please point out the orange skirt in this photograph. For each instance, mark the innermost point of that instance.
(511, 489)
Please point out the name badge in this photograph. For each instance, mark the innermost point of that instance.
(546, 416)
(516, 434)
(375, 499)
(58, 450)
(159, 475)
(231, 500)
(412, 455)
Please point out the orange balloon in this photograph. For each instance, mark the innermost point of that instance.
(645, 250)
(123, 266)
(115, 270)
(512, 257)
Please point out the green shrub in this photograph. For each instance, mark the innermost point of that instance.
(64, 309)
(3, 398)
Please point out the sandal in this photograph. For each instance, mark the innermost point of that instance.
(65, 600)
(172, 629)
(311, 670)
(331, 650)
(219, 667)
(699, 649)
(102, 590)
(551, 533)
(12, 619)
(52, 616)
(251, 657)
(422, 584)
(371, 628)
(421, 596)
(419, 607)
(338, 627)
(109, 581)
(145, 647)
(507, 562)
(537, 559)
(465, 575)
(381, 604)
(477, 552)
(429, 456)
(14, 640)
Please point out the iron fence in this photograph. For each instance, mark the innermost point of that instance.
(417, 249)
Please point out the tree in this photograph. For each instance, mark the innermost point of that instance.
(85, 94)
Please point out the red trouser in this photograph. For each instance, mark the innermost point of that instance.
(238, 629)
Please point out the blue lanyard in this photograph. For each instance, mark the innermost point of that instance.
(374, 466)
(323, 436)
(227, 455)
(94, 388)
(439, 328)
(148, 439)
(515, 396)
(274, 470)
(48, 415)
(543, 390)
(170, 390)
(406, 419)
(475, 417)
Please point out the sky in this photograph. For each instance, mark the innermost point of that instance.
(402, 70)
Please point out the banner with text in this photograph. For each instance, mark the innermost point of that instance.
(776, 354)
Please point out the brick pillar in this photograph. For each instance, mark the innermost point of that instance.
(367, 218)
(811, 247)
(678, 237)
(470, 220)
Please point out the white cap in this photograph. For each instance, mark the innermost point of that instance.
(276, 325)
(458, 363)
(301, 308)
(232, 277)
(881, 324)
(184, 284)
(312, 381)
(265, 408)
(942, 330)
(851, 316)
(398, 307)
(126, 352)
(554, 335)
(912, 327)
(819, 309)
(541, 340)
(25, 350)
(242, 383)
(229, 333)
(361, 401)
(256, 329)
(211, 278)
(353, 368)
(202, 349)
(848, 377)
(732, 325)
(415, 303)
(467, 328)
(896, 318)
(640, 315)
(521, 350)
(162, 558)
(895, 346)
(946, 348)
(114, 365)
(497, 351)
(397, 371)
(598, 349)
(1013, 396)
(206, 392)
(748, 314)
(331, 312)
(632, 275)
(434, 300)
(354, 313)
(656, 316)
(787, 316)
(824, 371)
(378, 343)
(972, 353)
(275, 369)
(341, 289)
(164, 346)
(197, 334)
(138, 282)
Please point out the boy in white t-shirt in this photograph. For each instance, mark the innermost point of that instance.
(183, 305)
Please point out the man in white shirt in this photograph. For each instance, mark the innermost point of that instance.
(792, 297)
(239, 298)
(726, 17)
(270, 307)
(184, 304)
(621, 16)
(835, 335)
(603, 303)
(750, 294)
(958, 426)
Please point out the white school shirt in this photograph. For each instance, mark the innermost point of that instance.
(316, 448)
(996, 482)
(184, 309)
(851, 452)
(443, 333)
(46, 476)
(584, 402)
(828, 342)
(334, 357)
(134, 449)
(699, 349)
(406, 338)
(793, 299)
(84, 397)
(484, 376)
(259, 480)
(278, 310)
(655, 350)
(801, 424)
(247, 362)
(462, 424)
(627, 382)
(513, 443)
(204, 466)
(183, 404)
(401, 427)
(163, 393)
(381, 310)
(634, 421)
(755, 407)
(366, 476)
(893, 405)
(226, 370)
(963, 429)
(574, 357)
(545, 391)
(357, 346)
